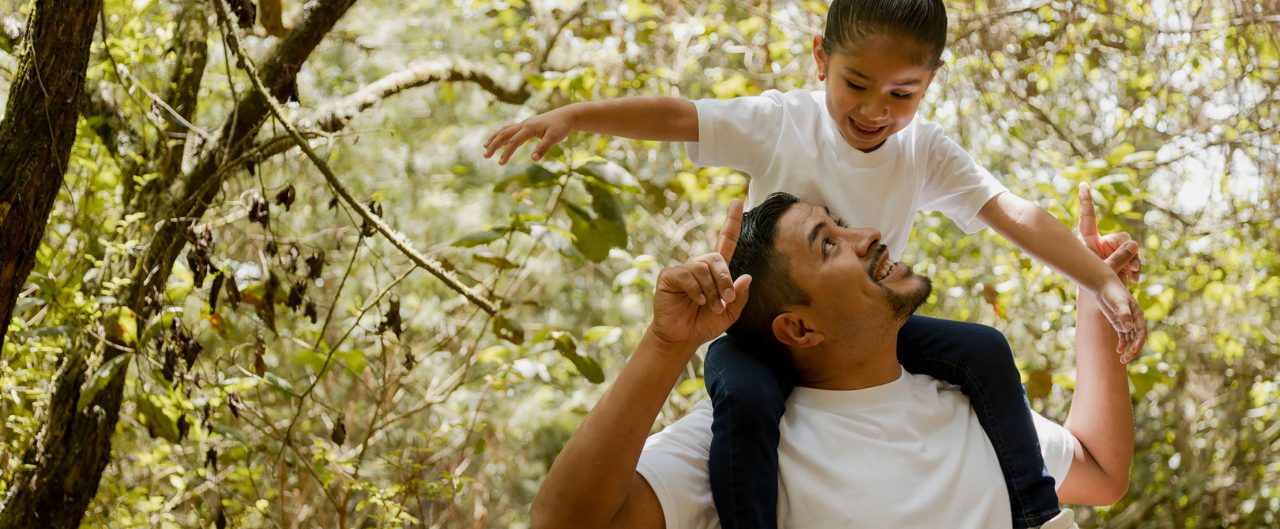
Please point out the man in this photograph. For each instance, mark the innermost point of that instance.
(863, 442)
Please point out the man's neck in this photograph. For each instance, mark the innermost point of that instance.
(850, 366)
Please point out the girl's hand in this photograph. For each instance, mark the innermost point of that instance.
(552, 127)
(1114, 298)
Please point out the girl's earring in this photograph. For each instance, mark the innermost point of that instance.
(822, 77)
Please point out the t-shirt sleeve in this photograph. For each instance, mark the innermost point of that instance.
(1058, 446)
(955, 184)
(674, 462)
(741, 133)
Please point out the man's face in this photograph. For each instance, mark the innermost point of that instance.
(872, 91)
(853, 285)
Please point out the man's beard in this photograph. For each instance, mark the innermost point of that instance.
(904, 304)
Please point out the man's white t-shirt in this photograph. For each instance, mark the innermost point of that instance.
(909, 453)
(788, 142)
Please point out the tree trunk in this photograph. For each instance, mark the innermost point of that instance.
(35, 146)
(36, 134)
(61, 470)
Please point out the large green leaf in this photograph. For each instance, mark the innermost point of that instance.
(477, 238)
(99, 379)
(610, 173)
(531, 176)
(587, 367)
(601, 229)
(122, 325)
(159, 421)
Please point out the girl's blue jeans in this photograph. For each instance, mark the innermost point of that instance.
(749, 390)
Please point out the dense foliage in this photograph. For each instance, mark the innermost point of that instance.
(303, 369)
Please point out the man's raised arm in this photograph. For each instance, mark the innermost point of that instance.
(593, 482)
(1101, 415)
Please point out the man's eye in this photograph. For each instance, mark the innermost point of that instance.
(827, 246)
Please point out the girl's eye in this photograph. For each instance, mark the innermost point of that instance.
(854, 86)
(901, 96)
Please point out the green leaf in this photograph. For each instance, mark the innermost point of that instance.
(1119, 153)
(158, 421)
(508, 329)
(496, 261)
(99, 379)
(604, 335)
(122, 326)
(532, 175)
(354, 359)
(607, 172)
(556, 238)
(1140, 156)
(280, 383)
(689, 386)
(477, 238)
(159, 323)
(587, 367)
(602, 229)
(238, 384)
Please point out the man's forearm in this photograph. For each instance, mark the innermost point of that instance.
(1044, 237)
(1101, 415)
(652, 118)
(590, 479)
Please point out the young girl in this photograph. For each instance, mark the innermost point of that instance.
(856, 147)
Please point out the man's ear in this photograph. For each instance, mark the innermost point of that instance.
(791, 329)
(819, 56)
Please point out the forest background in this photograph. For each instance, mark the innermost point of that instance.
(414, 343)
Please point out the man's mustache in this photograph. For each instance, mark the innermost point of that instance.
(875, 262)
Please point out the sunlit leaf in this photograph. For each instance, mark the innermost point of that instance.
(100, 378)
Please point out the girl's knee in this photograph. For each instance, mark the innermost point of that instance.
(989, 351)
(750, 403)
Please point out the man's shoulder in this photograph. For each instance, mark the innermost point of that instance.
(674, 463)
(690, 434)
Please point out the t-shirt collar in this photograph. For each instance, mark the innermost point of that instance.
(836, 400)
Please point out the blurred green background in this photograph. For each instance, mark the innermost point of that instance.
(407, 406)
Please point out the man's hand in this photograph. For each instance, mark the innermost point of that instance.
(1114, 298)
(698, 300)
(551, 126)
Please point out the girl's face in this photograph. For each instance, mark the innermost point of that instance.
(873, 89)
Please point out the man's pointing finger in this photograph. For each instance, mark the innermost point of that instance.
(728, 240)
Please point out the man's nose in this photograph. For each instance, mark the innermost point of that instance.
(864, 239)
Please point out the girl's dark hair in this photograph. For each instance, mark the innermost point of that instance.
(849, 22)
(772, 289)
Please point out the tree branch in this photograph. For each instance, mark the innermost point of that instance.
(190, 57)
(396, 239)
(538, 65)
(198, 187)
(334, 116)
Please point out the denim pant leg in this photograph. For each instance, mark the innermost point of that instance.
(749, 390)
(977, 358)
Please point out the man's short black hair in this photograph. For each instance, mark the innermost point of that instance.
(772, 289)
(850, 22)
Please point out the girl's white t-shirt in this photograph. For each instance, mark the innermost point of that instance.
(909, 453)
(788, 142)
